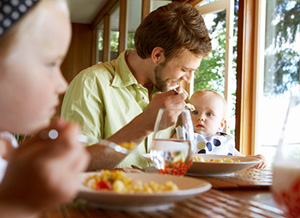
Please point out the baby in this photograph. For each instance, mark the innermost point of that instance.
(209, 119)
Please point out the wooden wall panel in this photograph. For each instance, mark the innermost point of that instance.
(80, 51)
(80, 54)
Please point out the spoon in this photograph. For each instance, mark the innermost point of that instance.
(53, 134)
(187, 105)
(88, 140)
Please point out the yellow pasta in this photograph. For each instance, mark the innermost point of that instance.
(117, 181)
(128, 145)
(224, 160)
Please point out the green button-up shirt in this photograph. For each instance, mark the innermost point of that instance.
(103, 99)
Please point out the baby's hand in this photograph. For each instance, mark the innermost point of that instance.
(262, 164)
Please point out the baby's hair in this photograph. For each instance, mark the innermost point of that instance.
(204, 92)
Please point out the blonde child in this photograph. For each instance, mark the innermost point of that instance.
(209, 119)
(43, 171)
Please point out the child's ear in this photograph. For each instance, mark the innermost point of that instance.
(223, 123)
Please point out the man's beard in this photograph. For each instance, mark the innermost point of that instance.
(160, 84)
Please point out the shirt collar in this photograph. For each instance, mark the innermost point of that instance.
(123, 76)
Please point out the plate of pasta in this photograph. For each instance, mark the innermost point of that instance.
(205, 164)
(137, 191)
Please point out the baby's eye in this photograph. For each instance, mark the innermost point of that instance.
(194, 112)
(209, 114)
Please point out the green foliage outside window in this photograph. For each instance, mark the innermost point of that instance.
(282, 57)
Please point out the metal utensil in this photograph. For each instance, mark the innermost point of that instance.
(187, 105)
(88, 140)
(53, 134)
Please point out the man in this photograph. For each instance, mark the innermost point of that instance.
(119, 100)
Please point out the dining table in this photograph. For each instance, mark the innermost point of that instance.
(246, 193)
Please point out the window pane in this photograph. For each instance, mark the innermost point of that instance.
(211, 73)
(156, 4)
(134, 14)
(281, 71)
(114, 33)
(100, 42)
(204, 2)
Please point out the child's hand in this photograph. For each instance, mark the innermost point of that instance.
(261, 165)
(45, 172)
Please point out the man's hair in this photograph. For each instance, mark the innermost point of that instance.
(173, 27)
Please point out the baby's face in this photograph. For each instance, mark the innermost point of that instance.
(30, 77)
(208, 114)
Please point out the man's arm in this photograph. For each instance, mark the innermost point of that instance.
(137, 130)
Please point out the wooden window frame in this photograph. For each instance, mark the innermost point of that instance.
(104, 14)
(246, 76)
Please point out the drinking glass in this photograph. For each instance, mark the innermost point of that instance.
(286, 166)
(172, 147)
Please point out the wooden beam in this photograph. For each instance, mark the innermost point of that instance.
(122, 26)
(195, 2)
(146, 5)
(106, 34)
(245, 76)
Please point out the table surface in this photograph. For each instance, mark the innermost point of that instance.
(243, 194)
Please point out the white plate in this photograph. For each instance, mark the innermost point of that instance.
(216, 168)
(144, 201)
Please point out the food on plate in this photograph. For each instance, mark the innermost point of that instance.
(116, 180)
(224, 160)
(128, 145)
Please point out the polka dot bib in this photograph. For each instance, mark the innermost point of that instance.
(11, 11)
(220, 143)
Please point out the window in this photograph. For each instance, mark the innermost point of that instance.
(99, 54)
(116, 26)
(134, 19)
(114, 34)
(156, 4)
(218, 71)
(278, 71)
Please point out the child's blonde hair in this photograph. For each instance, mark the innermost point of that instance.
(19, 30)
(204, 92)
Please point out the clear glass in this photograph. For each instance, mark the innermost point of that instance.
(172, 147)
(286, 165)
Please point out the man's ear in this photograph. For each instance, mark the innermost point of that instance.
(157, 55)
(223, 123)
